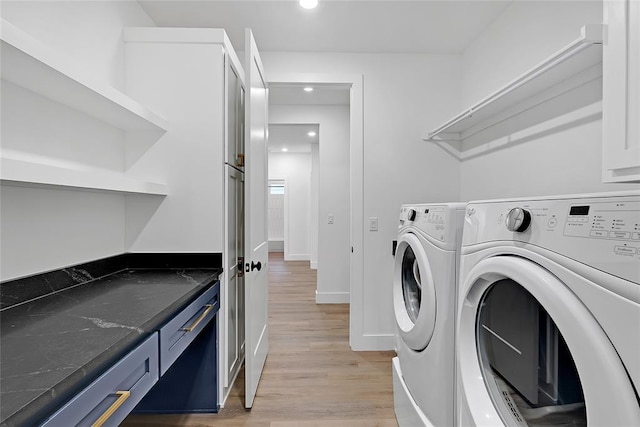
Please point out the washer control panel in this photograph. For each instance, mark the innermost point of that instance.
(442, 223)
(433, 220)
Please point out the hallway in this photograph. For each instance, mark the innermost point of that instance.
(311, 377)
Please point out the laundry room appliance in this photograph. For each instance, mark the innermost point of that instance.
(424, 283)
(548, 312)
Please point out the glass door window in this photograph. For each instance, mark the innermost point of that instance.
(526, 364)
(411, 284)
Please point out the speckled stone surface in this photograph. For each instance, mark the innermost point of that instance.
(60, 341)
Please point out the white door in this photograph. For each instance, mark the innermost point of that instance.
(256, 239)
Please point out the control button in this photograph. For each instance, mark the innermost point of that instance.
(572, 219)
(518, 220)
(552, 222)
(411, 215)
(625, 250)
(635, 236)
(584, 219)
(597, 233)
(619, 234)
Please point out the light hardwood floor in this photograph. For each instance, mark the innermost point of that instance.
(311, 378)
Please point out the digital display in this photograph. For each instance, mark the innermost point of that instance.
(579, 210)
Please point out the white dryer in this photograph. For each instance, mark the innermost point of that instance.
(424, 284)
(548, 312)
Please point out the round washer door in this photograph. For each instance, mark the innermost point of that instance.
(608, 396)
(414, 295)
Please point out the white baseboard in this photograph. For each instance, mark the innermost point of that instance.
(276, 245)
(296, 257)
(372, 342)
(314, 265)
(332, 297)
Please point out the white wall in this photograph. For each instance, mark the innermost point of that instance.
(555, 159)
(276, 217)
(49, 229)
(333, 193)
(404, 95)
(184, 83)
(88, 32)
(295, 169)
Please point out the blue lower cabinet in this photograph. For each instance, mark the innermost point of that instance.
(110, 398)
(190, 385)
(176, 336)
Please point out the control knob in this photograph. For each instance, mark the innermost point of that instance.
(518, 220)
(411, 214)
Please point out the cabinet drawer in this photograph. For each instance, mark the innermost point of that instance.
(109, 399)
(176, 335)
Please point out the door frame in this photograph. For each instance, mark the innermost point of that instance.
(357, 337)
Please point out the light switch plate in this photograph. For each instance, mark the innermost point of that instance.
(331, 219)
(373, 223)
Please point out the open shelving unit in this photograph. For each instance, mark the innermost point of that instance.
(576, 64)
(29, 174)
(30, 64)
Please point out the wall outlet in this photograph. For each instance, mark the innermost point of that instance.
(331, 219)
(373, 223)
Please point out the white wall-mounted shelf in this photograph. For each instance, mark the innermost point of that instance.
(32, 65)
(549, 78)
(28, 174)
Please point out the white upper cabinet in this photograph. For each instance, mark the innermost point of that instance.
(621, 92)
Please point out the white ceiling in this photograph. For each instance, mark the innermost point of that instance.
(417, 26)
(292, 136)
(357, 26)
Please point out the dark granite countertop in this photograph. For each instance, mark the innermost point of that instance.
(65, 336)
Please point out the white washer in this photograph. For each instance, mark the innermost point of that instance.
(548, 312)
(424, 284)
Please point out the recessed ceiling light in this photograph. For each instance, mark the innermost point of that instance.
(285, 149)
(308, 4)
(308, 89)
(312, 133)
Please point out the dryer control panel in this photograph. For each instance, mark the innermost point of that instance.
(599, 231)
(615, 221)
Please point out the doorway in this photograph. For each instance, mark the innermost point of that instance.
(275, 201)
(293, 151)
(353, 84)
(313, 126)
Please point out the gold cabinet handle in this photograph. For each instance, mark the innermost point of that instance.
(122, 396)
(199, 319)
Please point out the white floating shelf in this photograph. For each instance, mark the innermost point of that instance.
(582, 54)
(28, 174)
(32, 65)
